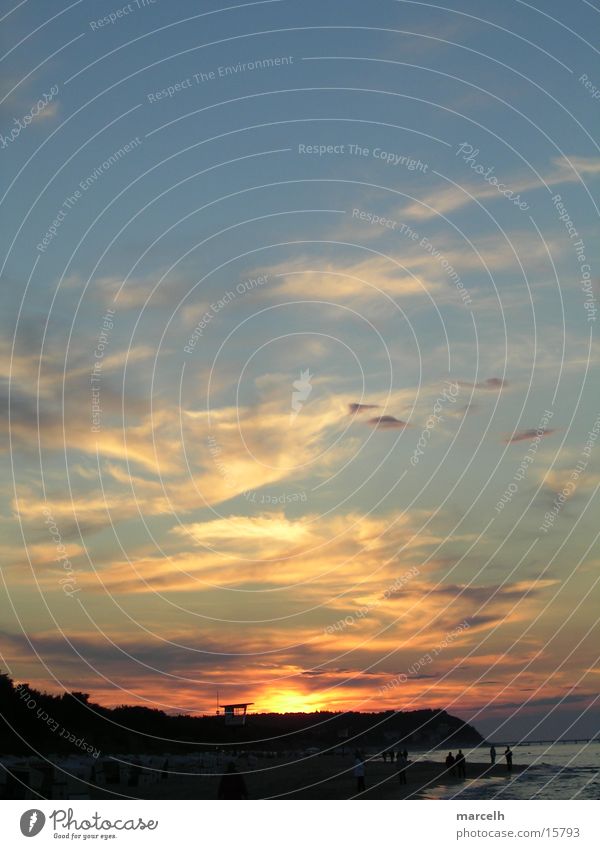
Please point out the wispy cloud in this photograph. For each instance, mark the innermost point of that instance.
(448, 198)
(490, 383)
(360, 408)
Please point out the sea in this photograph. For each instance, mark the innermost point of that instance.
(552, 771)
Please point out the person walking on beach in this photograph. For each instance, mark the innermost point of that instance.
(405, 755)
(508, 755)
(232, 785)
(450, 764)
(359, 772)
(392, 756)
(461, 764)
(402, 763)
(493, 754)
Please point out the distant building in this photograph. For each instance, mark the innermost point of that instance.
(236, 714)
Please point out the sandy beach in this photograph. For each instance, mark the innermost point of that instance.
(317, 778)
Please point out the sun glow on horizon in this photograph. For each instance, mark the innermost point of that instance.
(291, 701)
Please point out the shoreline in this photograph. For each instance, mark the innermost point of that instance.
(324, 778)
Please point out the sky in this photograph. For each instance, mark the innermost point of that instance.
(299, 356)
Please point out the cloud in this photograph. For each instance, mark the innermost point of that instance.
(582, 164)
(269, 551)
(293, 662)
(359, 408)
(530, 433)
(481, 594)
(48, 113)
(157, 289)
(368, 279)
(490, 383)
(448, 198)
(388, 423)
(243, 532)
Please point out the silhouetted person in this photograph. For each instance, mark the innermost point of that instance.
(461, 764)
(508, 755)
(359, 772)
(493, 754)
(385, 757)
(405, 755)
(232, 785)
(402, 763)
(450, 761)
(392, 756)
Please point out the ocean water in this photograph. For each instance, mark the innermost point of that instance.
(557, 771)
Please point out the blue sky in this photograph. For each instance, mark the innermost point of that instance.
(289, 167)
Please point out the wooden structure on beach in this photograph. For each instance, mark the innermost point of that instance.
(236, 714)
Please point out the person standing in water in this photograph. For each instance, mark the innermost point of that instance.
(359, 772)
(508, 755)
(493, 754)
(402, 763)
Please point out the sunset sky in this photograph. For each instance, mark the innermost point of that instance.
(290, 386)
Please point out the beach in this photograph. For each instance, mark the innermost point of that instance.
(318, 777)
(555, 771)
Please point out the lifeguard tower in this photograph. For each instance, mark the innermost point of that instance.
(236, 714)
